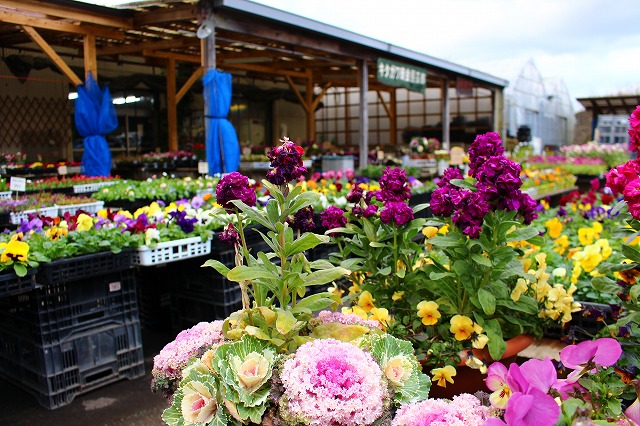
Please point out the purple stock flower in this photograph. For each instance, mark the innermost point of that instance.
(442, 203)
(229, 235)
(355, 195)
(302, 220)
(234, 186)
(286, 163)
(448, 175)
(470, 212)
(502, 172)
(396, 212)
(394, 185)
(483, 147)
(370, 211)
(333, 217)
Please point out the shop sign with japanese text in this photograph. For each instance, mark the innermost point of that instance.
(402, 75)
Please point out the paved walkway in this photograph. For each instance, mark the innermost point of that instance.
(127, 402)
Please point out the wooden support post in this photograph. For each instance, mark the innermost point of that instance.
(391, 113)
(48, 50)
(172, 115)
(311, 115)
(347, 119)
(90, 61)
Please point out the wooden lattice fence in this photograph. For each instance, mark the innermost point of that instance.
(39, 127)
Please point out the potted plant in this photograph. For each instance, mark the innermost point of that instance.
(471, 285)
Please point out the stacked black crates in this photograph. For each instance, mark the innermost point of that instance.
(76, 331)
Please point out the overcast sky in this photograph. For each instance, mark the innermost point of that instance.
(592, 45)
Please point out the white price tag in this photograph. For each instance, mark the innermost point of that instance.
(203, 167)
(62, 170)
(114, 286)
(18, 184)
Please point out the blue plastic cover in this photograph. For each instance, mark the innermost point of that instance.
(95, 116)
(223, 149)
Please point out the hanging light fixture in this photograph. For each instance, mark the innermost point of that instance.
(206, 27)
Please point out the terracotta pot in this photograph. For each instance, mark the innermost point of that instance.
(470, 380)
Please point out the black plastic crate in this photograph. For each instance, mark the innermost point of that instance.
(154, 295)
(82, 267)
(187, 311)
(50, 314)
(190, 279)
(89, 359)
(11, 284)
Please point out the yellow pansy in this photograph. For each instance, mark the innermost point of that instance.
(357, 310)
(382, 316)
(429, 231)
(84, 223)
(443, 375)
(605, 248)
(461, 327)
(56, 232)
(561, 244)
(398, 295)
(102, 213)
(365, 301)
(443, 230)
(589, 258)
(554, 226)
(586, 236)
(15, 250)
(428, 311)
(521, 287)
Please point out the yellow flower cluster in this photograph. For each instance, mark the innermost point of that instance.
(557, 300)
(16, 249)
(366, 310)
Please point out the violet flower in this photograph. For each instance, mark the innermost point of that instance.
(229, 235)
(394, 185)
(286, 163)
(234, 186)
(185, 223)
(302, 220)
(397, 212)
(483, 147)
(333, 217)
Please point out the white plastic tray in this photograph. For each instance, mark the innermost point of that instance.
(171, 251)
(90, 187)
(92, 207)
(16, 218)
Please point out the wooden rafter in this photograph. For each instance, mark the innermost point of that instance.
(124, 49)
(176, 56)
(263, 69)
(197, 74)
(57, 25)
(48, 50)
(173, 14)
(46, 9)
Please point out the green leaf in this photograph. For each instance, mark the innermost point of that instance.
(481, 260)
(307, 241)
(217, 265)
(461, 183)
(401, 273)
(631, 253)
(448, 240)
(496, 345)
(522, 234)
(285, 321)
(369, 229)
(20, 269)
(314, 302)
(324, 276)
(487, 301)
(242, 273)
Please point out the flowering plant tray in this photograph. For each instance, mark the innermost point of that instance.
(90, 187)
(10, 283)
(92, 207)
(5, 194)
(16, 217)
(171, 251)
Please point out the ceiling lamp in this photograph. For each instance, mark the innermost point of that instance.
(206, 28)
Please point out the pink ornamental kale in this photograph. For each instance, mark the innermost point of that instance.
(463, 410)
(328, 382)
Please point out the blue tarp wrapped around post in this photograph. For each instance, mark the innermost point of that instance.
(223, 149)
(95, 116)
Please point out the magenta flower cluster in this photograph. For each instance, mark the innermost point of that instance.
(328, 382)
(229, 235)
(625, 179)
(463, 410)
(286, 163)
(396, 212)
(394, 185)
(527, 389)
(333, 217)
(234, 186)
(497, 187)
(302, 220)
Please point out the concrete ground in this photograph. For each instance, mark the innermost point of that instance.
(127, 402)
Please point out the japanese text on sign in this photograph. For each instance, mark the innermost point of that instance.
(402, 75)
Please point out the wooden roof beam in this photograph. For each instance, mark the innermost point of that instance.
(57, 60)
(171, 55)
(46, 9)
(125, 49)
(173, 14)
(57, 25)
(263, 69)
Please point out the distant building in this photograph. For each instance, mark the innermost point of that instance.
(541, 105)
(606, 118)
